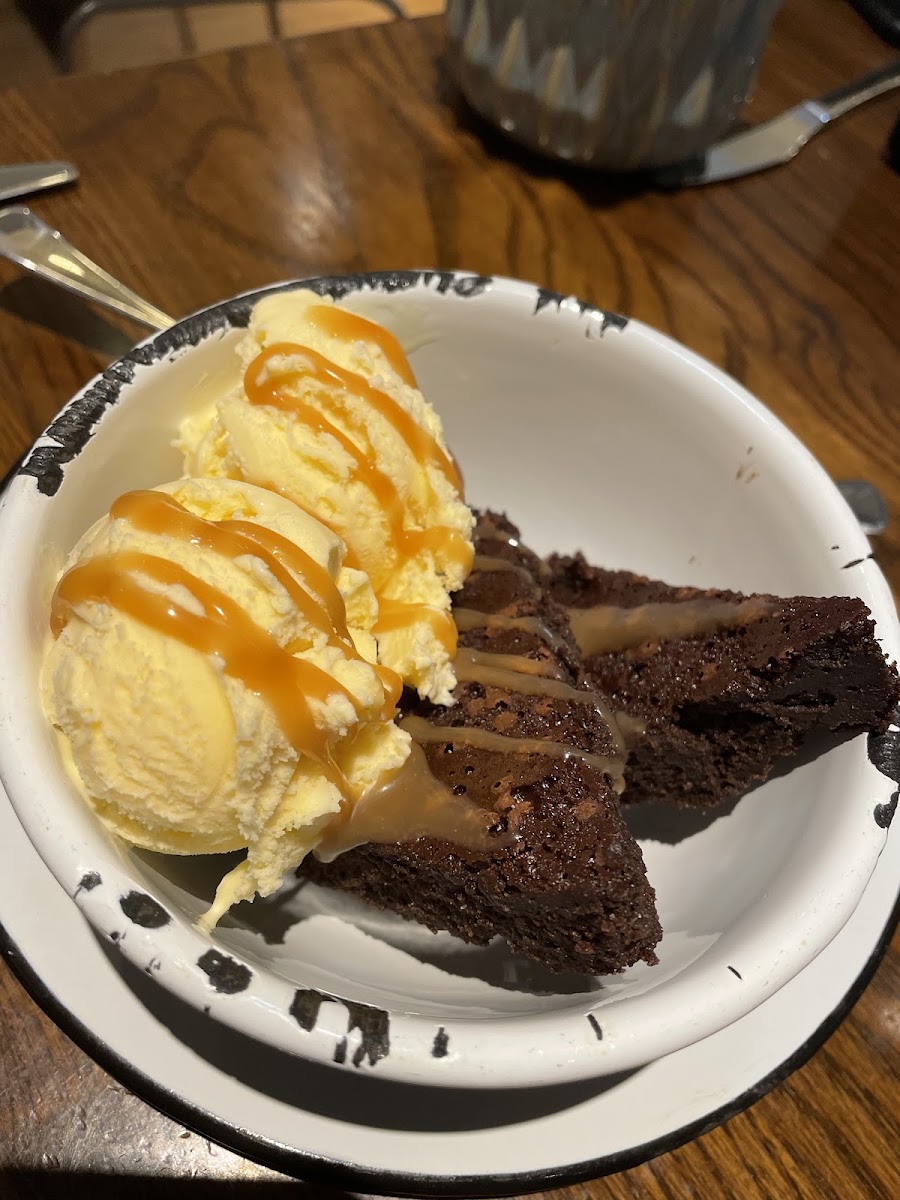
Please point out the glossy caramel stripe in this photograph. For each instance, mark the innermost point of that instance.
(249, 653)
(467, 619)
(408, 804)
(485, 739)
(269, 389)
(531, 676)
(318, 599)
(606, 628)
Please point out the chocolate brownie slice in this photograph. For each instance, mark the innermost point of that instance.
(564, 882)
(717, 687)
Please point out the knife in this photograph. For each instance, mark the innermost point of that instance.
(778, 140)
(22, 178)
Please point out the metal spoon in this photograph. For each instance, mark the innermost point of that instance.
(34, 245)
(31, 243)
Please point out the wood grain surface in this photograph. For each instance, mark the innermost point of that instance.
(350, 151)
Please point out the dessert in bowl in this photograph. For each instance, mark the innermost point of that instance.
(593, 434)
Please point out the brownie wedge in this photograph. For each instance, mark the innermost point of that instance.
(717, 687)
(564, 882)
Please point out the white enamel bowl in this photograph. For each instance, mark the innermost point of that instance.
(593, 433)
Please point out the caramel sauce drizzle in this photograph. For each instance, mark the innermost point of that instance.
(269, 390)
(319, 599)
(423, 445)
(606, 628)
(485, 739)
(439, 538)
(468, 619)
(248, 653)
(263, 389)
(348, 326)
(408, 804)
(518, 674)
(488, 527)
(531, 676)
(394, 614)
(632, 728)
(486, 562)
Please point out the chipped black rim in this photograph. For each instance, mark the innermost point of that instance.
(316, 1169)
(69, 433)
(72, 429)
(884, 754)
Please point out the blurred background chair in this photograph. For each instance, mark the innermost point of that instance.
(90, 36)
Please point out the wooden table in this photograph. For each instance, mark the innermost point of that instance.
(344, 152)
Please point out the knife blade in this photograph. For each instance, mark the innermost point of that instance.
(779, 140)
(22, 178)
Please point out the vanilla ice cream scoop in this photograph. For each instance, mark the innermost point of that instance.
(329, 415)
(212, 678)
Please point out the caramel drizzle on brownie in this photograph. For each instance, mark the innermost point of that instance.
(504, 671)
(408, 804)
(632, 728)
(423, 731)
(516, 673)
(487, 562)
(608, 628)
(468, 619)
(534, 674)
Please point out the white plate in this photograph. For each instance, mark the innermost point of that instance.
(593, 431)
(363, 1133)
